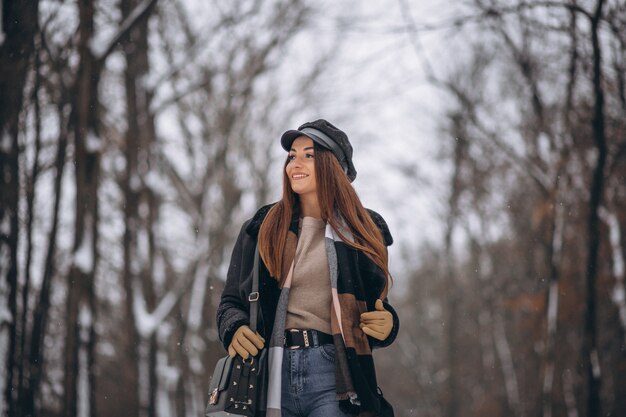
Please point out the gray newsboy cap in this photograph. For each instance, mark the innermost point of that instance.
(327, 135)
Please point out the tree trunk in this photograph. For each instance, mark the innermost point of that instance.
(139, 136)
(31, 182)
(590, 352)
(40, 313)
(81, 298)
(460, 153)
(8, 251)
(131, 221)
(19, 25)
(553, 250)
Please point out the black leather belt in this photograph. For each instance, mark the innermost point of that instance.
(302, 338)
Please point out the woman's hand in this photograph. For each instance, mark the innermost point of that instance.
(378, 323)
(245, 343)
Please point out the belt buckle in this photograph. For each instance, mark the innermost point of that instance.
(294, 347)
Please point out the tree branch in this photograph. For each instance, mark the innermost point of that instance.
(141, 11)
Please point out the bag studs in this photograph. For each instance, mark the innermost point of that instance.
(251, 386)
(213, 397)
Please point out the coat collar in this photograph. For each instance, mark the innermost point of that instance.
(255, 223)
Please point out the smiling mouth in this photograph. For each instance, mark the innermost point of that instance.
(298, 176)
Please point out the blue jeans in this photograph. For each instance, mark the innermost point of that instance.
(308, 383)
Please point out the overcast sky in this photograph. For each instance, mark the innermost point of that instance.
(375, 90)
(378, 94)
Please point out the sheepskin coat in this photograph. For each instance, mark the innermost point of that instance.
(357, 275)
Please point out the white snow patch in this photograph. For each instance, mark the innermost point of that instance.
(196, 400)
(618, 295)
(155, 182)
(147, 323)
(97, 48)
(135, 266)
(615, 238)
(557, 238)
(85, 321)
(547, 386)
(168, 375)
(595, 364)
(553, 306)
(158, 272)
(5, 317)
(135, 182)
(164, 332)
(83, 257)
(5, 224)
(106, 349)
(619, 298)
(143, 246)
(119, 163)
(544, 146)
(506, 360)
(143, 209)
(168, 379)
(212, 334)
(5, 314)
(198, 296)
(93, 142)
(195, 364)
(5, 258)
(83, 384)
(568, 394)
(4, 347)
(5, 144)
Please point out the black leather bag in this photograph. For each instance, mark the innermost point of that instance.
(239, 386)
(386, 410)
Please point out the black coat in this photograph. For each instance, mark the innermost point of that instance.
(233, 310)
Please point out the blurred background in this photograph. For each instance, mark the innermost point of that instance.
(138, 135)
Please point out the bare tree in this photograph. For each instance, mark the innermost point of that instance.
(545, 141)
(19, 28)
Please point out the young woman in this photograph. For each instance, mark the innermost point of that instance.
(323, 282)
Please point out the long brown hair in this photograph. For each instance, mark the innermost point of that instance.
(335, 194)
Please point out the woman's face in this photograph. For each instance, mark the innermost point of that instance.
(301, 166)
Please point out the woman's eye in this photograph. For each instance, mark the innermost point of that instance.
(292, 157)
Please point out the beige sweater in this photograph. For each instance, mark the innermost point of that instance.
(310, 293)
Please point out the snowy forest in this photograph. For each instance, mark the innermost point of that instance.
(137, 135)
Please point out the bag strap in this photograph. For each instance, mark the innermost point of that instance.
(253, 298)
